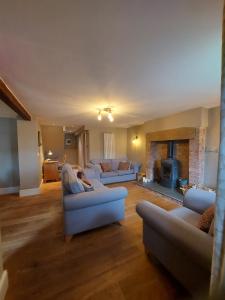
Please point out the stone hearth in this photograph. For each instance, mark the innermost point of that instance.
(191, 149)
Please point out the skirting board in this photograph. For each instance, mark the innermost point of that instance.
(3, 285)
(29, 192)
(9, 190)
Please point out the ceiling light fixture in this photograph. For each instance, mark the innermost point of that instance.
(107, 110)
(99, 115)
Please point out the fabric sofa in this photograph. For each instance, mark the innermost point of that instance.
(115, 175)
(87, 210)
(174, 239)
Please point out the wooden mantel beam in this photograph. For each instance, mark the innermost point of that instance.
(12, 101)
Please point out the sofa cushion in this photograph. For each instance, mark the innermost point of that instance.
(72, 184)
(124, 166)
(115, 164)
(125, 172)
(109, 174)
(206, 219)
(211, 229)
(106, 167)
(187, 215)
(98, 161)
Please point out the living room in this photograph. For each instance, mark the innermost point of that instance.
(111, 150)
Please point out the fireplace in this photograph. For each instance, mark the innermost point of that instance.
(169, 171)
(189, 146)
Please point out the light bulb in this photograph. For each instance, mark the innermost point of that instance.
(50, 153)
(111, 119)
(99, 116)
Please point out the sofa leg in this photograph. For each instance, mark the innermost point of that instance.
(68, 238)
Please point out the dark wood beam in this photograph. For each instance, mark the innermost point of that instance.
(12, 101)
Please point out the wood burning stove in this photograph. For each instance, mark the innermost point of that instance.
(169, 171)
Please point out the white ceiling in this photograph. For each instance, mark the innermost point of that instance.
(146, 58)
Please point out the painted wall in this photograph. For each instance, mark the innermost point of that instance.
(53, 139)
(9, 171)
(28, 154)
(192, 118)
(212, 147)
(96, 141)
(199, 117)
(6, 111)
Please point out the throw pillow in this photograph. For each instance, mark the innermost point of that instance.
(98, 167)
(206, 219)
(72, 184)
(106, 167)
(211, 229)
(124, 166)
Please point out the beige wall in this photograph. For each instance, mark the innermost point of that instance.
(212, 147)
(199, 117)
(96, 141)
(53, 139)
(192, 118)
(29, 155)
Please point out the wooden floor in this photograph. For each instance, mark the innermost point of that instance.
(106, 263)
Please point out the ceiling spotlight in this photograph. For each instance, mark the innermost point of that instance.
(110, 117)
(108, 111)
(99, 115)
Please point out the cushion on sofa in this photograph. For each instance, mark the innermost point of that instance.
(206, 219)
(106, 167)
(115, 164)
(108, 174)
(124, 166)
(125, 172)
(71, 183)
(186, 214)
(211, 229)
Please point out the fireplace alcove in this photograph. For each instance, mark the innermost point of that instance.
(171, 162)
(189, 148)
(189, 145)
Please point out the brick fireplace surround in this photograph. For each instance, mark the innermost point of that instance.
(196, 138)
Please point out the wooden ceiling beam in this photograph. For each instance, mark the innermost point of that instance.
(12, 101)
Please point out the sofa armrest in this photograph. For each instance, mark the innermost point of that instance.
(198, 199)
(97, 197)
(136, 167)
(193, 242)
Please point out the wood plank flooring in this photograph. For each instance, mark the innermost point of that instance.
(106, 263)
